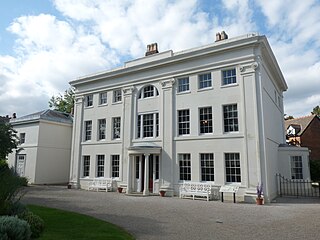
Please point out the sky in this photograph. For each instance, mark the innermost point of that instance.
(44, 44)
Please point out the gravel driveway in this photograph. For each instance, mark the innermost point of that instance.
(157, 217)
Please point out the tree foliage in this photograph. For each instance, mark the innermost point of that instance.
(8, 139)
(316, 111)
(63, 103)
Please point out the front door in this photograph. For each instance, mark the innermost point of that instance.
(21, 164)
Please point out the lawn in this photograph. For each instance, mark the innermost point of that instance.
(68, 225)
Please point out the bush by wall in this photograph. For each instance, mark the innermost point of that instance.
(14, 228)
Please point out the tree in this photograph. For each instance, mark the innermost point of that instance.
(8, 139)
(288, 117)
(316, 111)
(63, 103)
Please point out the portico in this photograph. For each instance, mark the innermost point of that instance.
(143, 169)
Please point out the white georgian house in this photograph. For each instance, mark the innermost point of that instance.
(212, 113)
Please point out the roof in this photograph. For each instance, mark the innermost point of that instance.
(49, 115)
(302, 122)
(169, 57)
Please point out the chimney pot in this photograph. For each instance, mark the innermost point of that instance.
(218, 37)
(14, 115)
(224, 35)
(152, 49)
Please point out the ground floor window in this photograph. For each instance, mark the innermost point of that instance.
(207, 166)
(86, 166)
(185, 166)
(100, 166)
(296, 167)
(115, 162)
(233, 170)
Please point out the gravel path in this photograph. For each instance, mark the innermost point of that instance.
(173, 218)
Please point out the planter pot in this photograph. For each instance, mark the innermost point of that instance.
(162, 193)
(69, 186)
(259, 201)
(120, 189)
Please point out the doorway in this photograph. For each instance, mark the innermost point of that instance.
(21, 164)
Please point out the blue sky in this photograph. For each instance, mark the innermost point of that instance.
(46, 43)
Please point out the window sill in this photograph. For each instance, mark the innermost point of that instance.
(88, 107)
(116, 103)
(103, 105)
(204, 89)
(184, 92)
(229, 85)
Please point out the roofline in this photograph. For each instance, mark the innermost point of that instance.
(216, 47)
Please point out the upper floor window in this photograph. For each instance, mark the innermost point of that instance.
(89, 100)
(204, 80)
(117, 96)
(205, 119)
(233, 170)
(183, 84)
(230, 116)
(22, 138)
(103, 98)
(116, 127)
(296, 167)
(88, 130)
(148, 125)
(101, 129)
(184, 122)
(86, 166)
(100, 165)
(148, 91)
(229, 76)
(207, 166)
(185, 166)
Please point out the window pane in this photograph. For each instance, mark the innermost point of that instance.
(296, 167)
(229, 76)
(205, 80)
(116, 124)
(207, 167)
(115, 165)
(205, 120)
(183, 84)
(230, 114)
(100, 166)
(117, 96)
(88, 130)
(103, 98)
(183, 122)
(233, 170)
(185, 166)
(86, 166)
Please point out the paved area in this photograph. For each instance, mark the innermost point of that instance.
(173, 218)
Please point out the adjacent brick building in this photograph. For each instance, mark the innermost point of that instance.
(305, 132)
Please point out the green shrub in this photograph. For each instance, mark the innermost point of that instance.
(10, 187)
(3, 164)
(14, 228)
(36, 223)
(16, 208)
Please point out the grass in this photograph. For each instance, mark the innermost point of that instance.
(69, 225)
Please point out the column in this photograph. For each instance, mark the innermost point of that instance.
(146, 174)
(129, 177)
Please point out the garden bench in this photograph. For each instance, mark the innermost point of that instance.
(229, 189)
(98, 184)
(198, 189)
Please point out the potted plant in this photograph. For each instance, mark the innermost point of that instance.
(162, 193)
(259, 199)
(120, 189)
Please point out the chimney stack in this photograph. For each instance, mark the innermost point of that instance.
(14, 115)
(221, 36)
(152, 49)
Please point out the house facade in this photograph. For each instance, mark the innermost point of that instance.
(44, 152)
(305, 132)
(208, 114)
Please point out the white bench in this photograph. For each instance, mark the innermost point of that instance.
(229, 189)
(98, 184)
(196, 189)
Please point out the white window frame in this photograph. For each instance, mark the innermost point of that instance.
(183, 122)
(89, 100)
(102, 129)
(204, 119)
(117, 96)
(233, 175)
(87, 130)
(204, 82)
(116, 127)
(100, 170)
(142, 128)
(183, 84)
(86, 167)
(207, 162)
(115, 169)
(22, 138)
(144, 91)
(103, 98)
(185, 169)
(296, 174)
(234, 127)
(229, 79)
